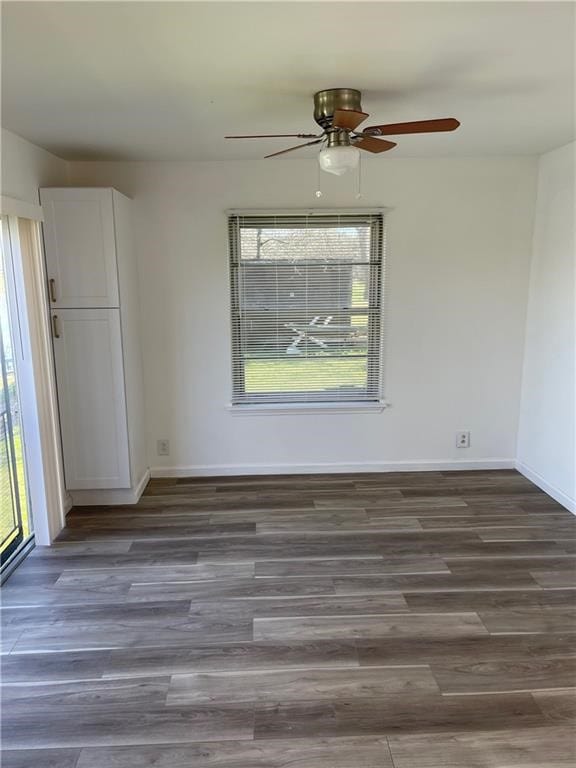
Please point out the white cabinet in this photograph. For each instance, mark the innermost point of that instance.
(90, 374)
(93, 283)
(80, 247)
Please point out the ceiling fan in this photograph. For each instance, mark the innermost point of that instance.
(339, 113)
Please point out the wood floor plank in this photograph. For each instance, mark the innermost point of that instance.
(372, 497)
(179, 632)
(559, 707)
(341, 627)
(540, 505)
(492, 490)
(151, 574)
(13, 596)
(40, 758)
(24, 579)
(504, 676)
(408, 713)
(8, 638)
(63, 560)
(528, 533)
(559, 577)
(309, 685)
(502, 520)
(529, 501)
(528, 564)
(420, 650)
(295, 516)
(88, 695)
(195, 500)
(231, 588)
(130, 531)
(158, 725)
(350, 566)
(150, 613)
(364, 752)
(136, 520)
(486, 600)
(73, 549)
(26, 667)
(401, 523)
(530, 620)
(345, 585)
(455, 508)
(306, 605)
(232, 657)
(492, 549)
(382, 501)
(552, 747)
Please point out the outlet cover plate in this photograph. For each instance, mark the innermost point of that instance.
(463, 439)
(163, 447)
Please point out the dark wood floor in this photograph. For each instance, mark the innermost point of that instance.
(420, 620)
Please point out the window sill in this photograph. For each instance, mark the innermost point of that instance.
(302, 408)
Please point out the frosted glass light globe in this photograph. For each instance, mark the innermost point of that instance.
(338, 160)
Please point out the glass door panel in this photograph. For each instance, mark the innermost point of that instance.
(15, 526)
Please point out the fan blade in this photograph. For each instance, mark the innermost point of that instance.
(291, 149)
(418, 126)
(371, 144)
(347, 118)
(278, 136)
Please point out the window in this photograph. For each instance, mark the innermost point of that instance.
(306, 307)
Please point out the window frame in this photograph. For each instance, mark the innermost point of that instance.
(376, 325)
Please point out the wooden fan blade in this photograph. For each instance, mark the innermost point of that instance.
(278, 136)
(291, 149)
(371, 144)
(417, 126)
(347, 118)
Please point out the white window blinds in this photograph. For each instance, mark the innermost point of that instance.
(306, 301)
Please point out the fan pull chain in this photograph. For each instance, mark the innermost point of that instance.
(359, 179)
(318, 180)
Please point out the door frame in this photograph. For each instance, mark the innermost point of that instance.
(49, 500)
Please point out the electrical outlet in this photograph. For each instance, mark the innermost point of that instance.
(163, 447)
(462, 439)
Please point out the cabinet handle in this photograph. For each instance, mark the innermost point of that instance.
(52, 284)
(55, 330)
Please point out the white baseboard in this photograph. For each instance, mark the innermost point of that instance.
(215, 470)
(558, 495)
(111, 497)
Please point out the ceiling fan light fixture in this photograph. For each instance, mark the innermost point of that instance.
(338, 159)
(338, 112)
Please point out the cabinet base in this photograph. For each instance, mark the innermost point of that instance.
(112, 497)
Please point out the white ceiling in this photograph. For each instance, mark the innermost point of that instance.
(166, 80)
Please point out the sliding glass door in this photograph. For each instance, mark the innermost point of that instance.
(15, 529)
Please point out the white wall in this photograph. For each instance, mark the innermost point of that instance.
(25, 167)
(547, 424)
(459, 253)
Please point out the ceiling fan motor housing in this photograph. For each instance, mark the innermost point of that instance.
(327, 102)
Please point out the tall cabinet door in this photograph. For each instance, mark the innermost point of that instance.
(91, 398)
(80, 247)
